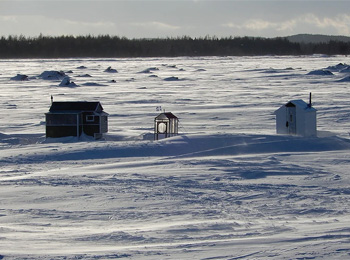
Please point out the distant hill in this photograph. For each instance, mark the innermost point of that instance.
(316, 38)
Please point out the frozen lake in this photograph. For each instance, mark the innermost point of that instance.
(227, 187)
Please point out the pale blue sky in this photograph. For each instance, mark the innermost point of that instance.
(166, 18)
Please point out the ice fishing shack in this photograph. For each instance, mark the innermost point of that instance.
(75, 119)
(166, 124)
(296, 118)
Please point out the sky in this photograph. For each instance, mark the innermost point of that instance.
(169, 18)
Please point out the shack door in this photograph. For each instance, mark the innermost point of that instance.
(291, 122)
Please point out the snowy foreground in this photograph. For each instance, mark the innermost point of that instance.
(227, 187)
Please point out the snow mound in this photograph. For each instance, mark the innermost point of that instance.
(93, 84)
(149, 70)
(20, 77)
(171, 79)
(111, 70)
(67, 83)
(84, 76)
(53, 75)
(338, 67)
(346, 79)
(345, 70)
(169, 66)
(320, 72)
(272, 70)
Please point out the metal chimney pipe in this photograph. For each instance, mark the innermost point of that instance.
(310, 104)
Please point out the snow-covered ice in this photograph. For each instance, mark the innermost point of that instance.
(227, 187)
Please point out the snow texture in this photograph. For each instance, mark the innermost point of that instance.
(227, 187)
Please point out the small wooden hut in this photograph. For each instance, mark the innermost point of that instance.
(296, 118)
(76, 118)
(165, 125)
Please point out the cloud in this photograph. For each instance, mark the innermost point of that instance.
(156, 25)
(339, 24)
(8, 18)
(96, 25)
(257, 25)
(33, 25)
(36, 24)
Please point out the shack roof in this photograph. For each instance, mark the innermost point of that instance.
(298, 103)
(302, 104)
(167, 115)
(76, 106)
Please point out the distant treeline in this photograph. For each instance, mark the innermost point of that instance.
(114, 46)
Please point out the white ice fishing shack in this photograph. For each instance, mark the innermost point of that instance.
(296, 118)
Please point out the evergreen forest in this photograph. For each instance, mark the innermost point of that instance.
(114, 46)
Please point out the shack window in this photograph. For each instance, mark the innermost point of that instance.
(90, 118)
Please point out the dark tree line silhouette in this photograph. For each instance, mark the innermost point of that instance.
(114, 46)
